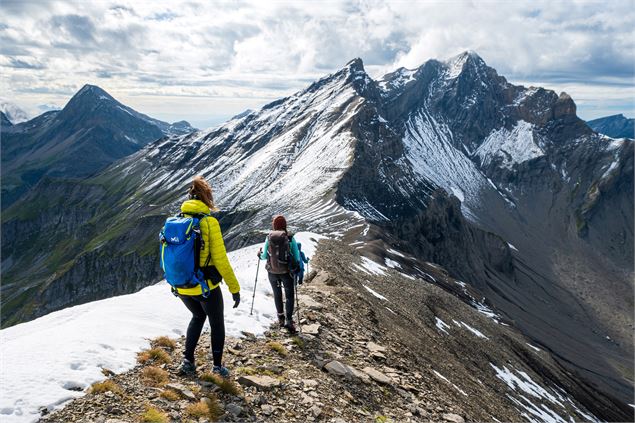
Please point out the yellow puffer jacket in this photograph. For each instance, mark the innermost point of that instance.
(214, 247)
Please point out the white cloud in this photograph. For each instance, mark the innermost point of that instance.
(171, 52)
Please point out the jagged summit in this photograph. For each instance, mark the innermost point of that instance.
(356, 64)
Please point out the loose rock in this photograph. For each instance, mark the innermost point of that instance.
(263, 383)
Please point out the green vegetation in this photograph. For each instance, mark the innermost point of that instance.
(278, 347)
(297, 341)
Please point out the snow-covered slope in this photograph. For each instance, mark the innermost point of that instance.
(52, 359)
(13, 112)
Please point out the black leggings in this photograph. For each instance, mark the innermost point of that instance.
(211, 307)
(287, 282)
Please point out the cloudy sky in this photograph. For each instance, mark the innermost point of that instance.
(207, 61)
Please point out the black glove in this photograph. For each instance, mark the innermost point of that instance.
(259, 253)
(236, 298)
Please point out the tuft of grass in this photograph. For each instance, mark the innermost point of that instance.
(154, 415)
(105, 386)
(249, 371)
(154, 354)
(278, 347)
(298, 342)
(226, 385)
(207, 407)
(165, 342)
(170, 395)
(154, 376)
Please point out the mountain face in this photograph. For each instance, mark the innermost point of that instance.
(502, 185)
(615, 126)
(92, 131)
(5, 123)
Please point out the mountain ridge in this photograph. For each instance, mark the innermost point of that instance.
(614, 126)
(89, 133)
(373, 161)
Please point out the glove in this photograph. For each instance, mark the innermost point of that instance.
(259, 253)
(236, 298)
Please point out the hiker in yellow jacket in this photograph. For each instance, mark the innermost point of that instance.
(216, 267)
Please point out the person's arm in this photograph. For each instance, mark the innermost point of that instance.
(219, 254)
(295, 252)
(265, 254)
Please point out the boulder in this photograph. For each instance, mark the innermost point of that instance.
(454, 418)
(311, 329)
(337, 368)
(234, 409)
(181, 390)
(376, 375)
(267, 409)
(262, 383)
(309, 303)
(372, 347)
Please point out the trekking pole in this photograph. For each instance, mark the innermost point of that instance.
(253, 297)
(297, 302)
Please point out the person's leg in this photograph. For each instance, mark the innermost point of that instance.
(289, 293)
(195, 327)
(274, 280)
(213, 306)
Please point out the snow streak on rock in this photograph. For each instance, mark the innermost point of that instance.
(509, 146)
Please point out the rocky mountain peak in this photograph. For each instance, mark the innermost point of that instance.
(564, 106)
(468, 60)
(91, 93)
(355, 65)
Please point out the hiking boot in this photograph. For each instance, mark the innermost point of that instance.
(187, 367)
(281, 320)
(221, 371)
(291, 327)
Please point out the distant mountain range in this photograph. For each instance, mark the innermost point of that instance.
(91, 132)
(449, 163)
(615, 126)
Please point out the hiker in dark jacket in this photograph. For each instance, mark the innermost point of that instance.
(218, 268)
(282, 255)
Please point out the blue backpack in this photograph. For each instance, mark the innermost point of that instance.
(181, 244)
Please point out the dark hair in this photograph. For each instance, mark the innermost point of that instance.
(201, 190)
(279, 223)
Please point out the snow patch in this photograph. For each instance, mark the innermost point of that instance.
(392, 264)
(458, 194)
(470, 328)
(375, 293)
(441, 325)
(373, 267)
(510, 147)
